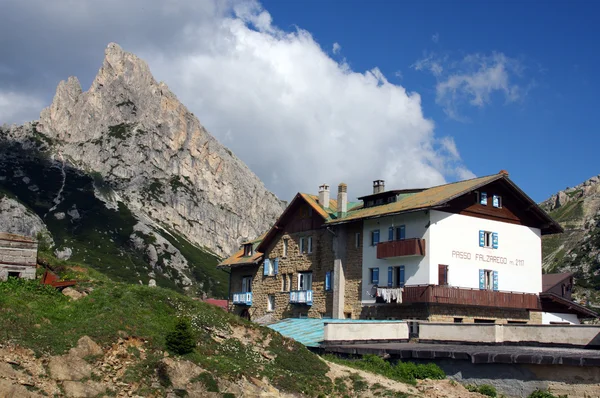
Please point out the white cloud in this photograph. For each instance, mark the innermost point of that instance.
(473, 80)
(337, 48)
(435, 38)
(16, 107)
(295, 115)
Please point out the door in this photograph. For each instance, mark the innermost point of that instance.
(247, 284)
(442, 274)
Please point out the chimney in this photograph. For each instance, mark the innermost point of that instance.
(342, 200)
(324, 196)
(378, 186)
(504, 172)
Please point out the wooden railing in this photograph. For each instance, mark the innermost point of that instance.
(244, 298)
(399, 248)
(463, 296)
(301, 297)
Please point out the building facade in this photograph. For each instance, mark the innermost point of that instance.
(463, 252)
(18, 256)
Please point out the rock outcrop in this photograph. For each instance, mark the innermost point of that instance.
(156, 155)
(577, 250)
(15, 218)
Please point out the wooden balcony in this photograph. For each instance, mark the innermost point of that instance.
(301, 297)
(473, 297)
(244, 298)
(400, 248)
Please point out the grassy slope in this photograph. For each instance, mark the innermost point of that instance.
(100, 237)
(47, 322)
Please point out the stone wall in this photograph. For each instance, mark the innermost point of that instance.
(18, 256)
(352, 263)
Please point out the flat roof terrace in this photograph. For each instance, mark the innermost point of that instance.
(474, 353)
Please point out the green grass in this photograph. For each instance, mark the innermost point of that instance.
(101, 236)
(483, 389)
(41, 318)
(405, 372)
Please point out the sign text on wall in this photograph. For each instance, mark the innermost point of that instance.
(486, 258)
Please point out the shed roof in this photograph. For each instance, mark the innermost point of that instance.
(551, 280)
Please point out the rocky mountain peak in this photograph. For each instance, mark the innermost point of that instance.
(156, 155)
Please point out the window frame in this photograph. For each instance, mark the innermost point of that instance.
(372, 272)
(357, 240)
(373, 233)
(301, 245)
(304, 277)
(247, 281)
(270, 303)
(497, 201)
(309, 248)
(285, 247)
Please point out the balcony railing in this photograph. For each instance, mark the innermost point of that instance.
(400, 248)
(301, 297)
(463, 296)
(242, 298)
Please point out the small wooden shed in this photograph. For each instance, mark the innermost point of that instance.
(18, 256)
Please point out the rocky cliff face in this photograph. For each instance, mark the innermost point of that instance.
(124, 178)
(578, 248)
(157, 156)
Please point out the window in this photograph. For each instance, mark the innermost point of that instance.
(374, 275)
(485, 321)
(391, 199)
(284, 284)
(246, 284)
(396, 276)
(357, 240)
(458, 320)
(285, 247)
(270, 303)
(391, 234)
(310, 247)
(248, 249)
(302, 245)
(374, 237)
(14, 274)
(488, 279)
(379, 202)
(497, 201)
(271, 266)
(305, 281)
(488, 239)
(329, 280)
(483, 198)
(442, 274)
(401, 232)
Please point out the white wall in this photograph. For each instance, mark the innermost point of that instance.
(454, 241)
(349, 331)
(416, 268)
(548, 317)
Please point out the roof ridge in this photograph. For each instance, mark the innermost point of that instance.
(470, 179)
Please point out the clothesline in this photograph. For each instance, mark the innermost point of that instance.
(389, 294)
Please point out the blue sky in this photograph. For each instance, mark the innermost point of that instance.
(308, 92)
(548, 139)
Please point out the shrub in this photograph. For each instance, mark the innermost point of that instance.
(484, 389)
(181, 340)
(544, 394)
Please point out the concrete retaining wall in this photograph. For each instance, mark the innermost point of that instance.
(18, 256)
(365, 331)
(556, 335)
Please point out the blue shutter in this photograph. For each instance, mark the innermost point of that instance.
(481, 279)
(483, 198)
(402, 232)
(402, 276)
(495, 201)
(266, 266)
(328, 280)
(390, 276)
(481, 238)
(276, 266)
(391, 234)
(495, 240)
(375, 276)
(496, 280)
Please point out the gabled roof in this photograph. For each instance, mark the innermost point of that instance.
(238, 258)
(438, 196)
(568, 306)
(551, 280)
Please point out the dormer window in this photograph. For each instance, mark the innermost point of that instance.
(247, 249)
(482, 198)
(497, 201)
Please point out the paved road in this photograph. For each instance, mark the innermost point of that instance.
(476, 353)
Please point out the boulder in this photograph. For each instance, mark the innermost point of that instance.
(86, 347)
(74, 294)
(10, 390)
(181, 372)
(69, 367)
(77, 389)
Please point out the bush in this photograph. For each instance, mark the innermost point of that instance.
(544, 394)
(484, 389)
(181, 341)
